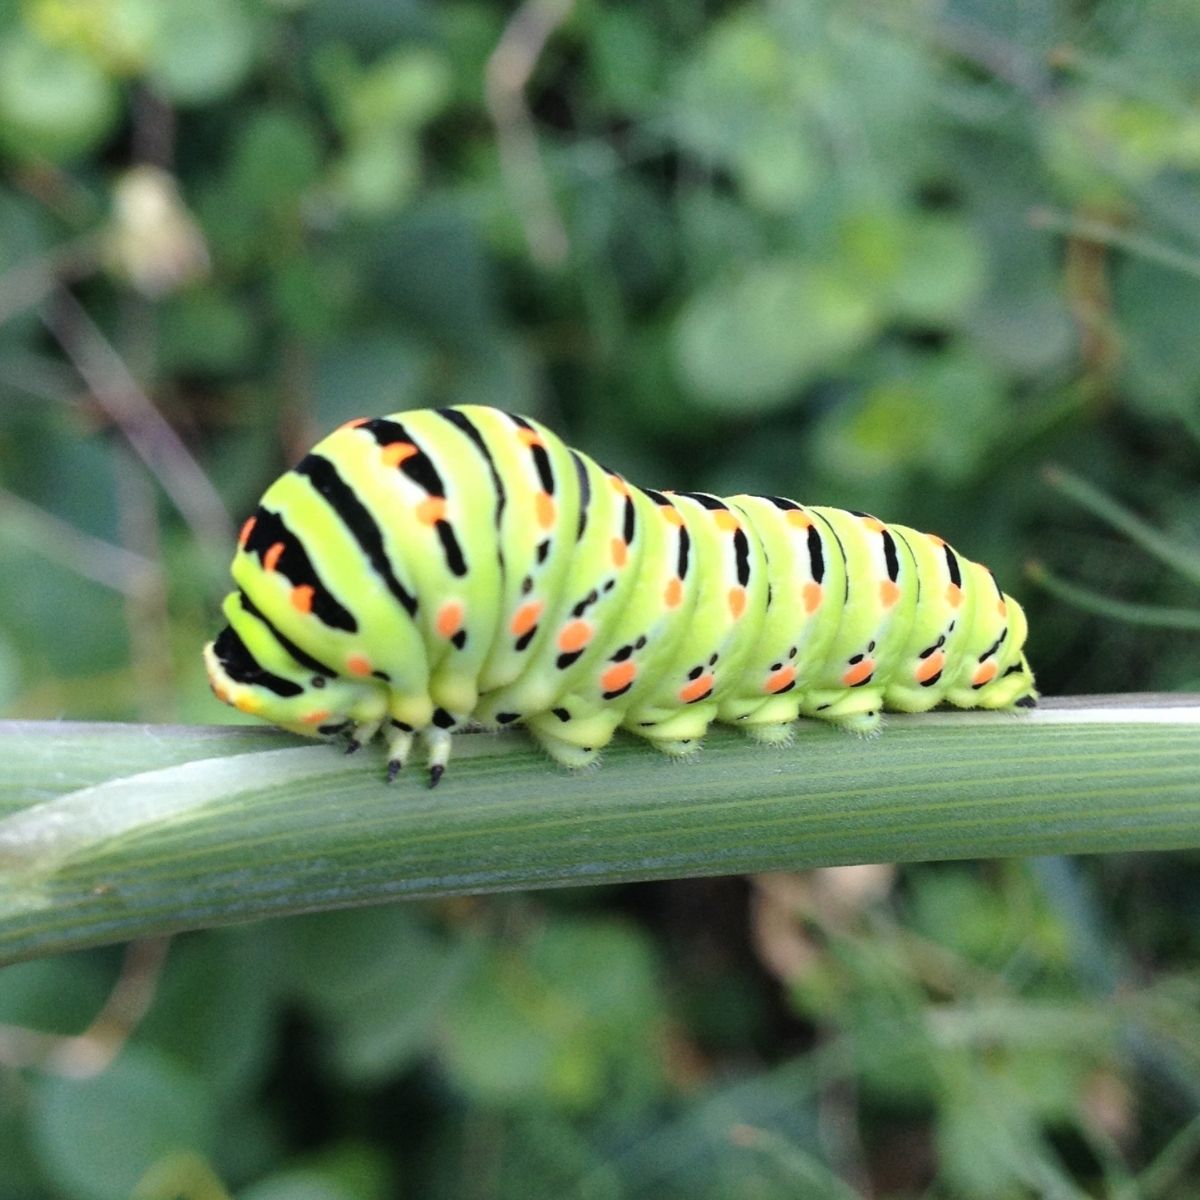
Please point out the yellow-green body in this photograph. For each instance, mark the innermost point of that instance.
(436, 568)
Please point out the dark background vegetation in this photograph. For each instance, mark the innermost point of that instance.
(896, 256)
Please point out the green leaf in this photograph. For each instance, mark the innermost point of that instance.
(201, 52)
(568, 1021)
(54, 102)
(394, 978)
(276, 157)
(97, 1137)
(937, 414)
(751, 342)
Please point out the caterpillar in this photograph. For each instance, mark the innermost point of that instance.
(430, 569)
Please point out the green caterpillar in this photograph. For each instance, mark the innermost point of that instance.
(423, 570)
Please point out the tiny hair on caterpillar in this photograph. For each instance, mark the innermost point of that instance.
(432, 569)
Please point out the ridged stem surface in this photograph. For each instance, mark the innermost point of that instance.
(115, 832)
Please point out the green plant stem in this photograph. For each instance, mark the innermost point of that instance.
(1166, 549)
(1154, 616)
(118, 832)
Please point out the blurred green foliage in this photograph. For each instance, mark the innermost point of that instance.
(888, 256)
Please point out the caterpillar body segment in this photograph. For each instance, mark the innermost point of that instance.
(428, 569)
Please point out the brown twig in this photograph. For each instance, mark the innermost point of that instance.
(94, 558)
(25, 286)
(508, 71)
(83, 1055)
(146, 615)
(146, 430)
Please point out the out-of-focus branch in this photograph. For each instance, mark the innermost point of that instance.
(94, 558)
(146, 614)
(1105, 233)
(145, 429)
(88, 1053)
(508, 72)
(25, 286)
(37, 375)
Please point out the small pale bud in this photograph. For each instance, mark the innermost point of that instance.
(153, 241)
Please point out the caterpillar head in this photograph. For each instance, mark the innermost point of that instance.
(286, 693)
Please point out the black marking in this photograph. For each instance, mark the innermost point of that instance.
(712, 503)
(870, 647)
(781, 691)
(703, 696)
(952, 564)
(618, 692)
(857, 658)
(712, 662)
(685, 548)
(889, 556)
(451, 548)
(403, 726)
(908, 546)
(841, 550)
(1011, 671)
(353, 746)
(585, 492)
(343, 500)
(1029, 701)
(696, 672)
(301, 656)
(629, 526)
(640, 643)
(609, 584)
(561, 714)
(459, 640)
(242, 667)
(543, 549)
(382, 675)
(776, 667)
(658, 498)
(541, 459)
(741, 549)
(295, 566)
(462, 422)
(507, 718)
(418, 467)
(782, 502)
(622, 654)
(318, 681)
(565, 660)
(822, 707)
(442, 719)
(931, 680)
(792, 652)
(334, 728)
(864, 682)
(435, 774)
(525, 638)
(994, 646)
(816, 554)
(930, 649)
(583, 605)
(526, 585)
